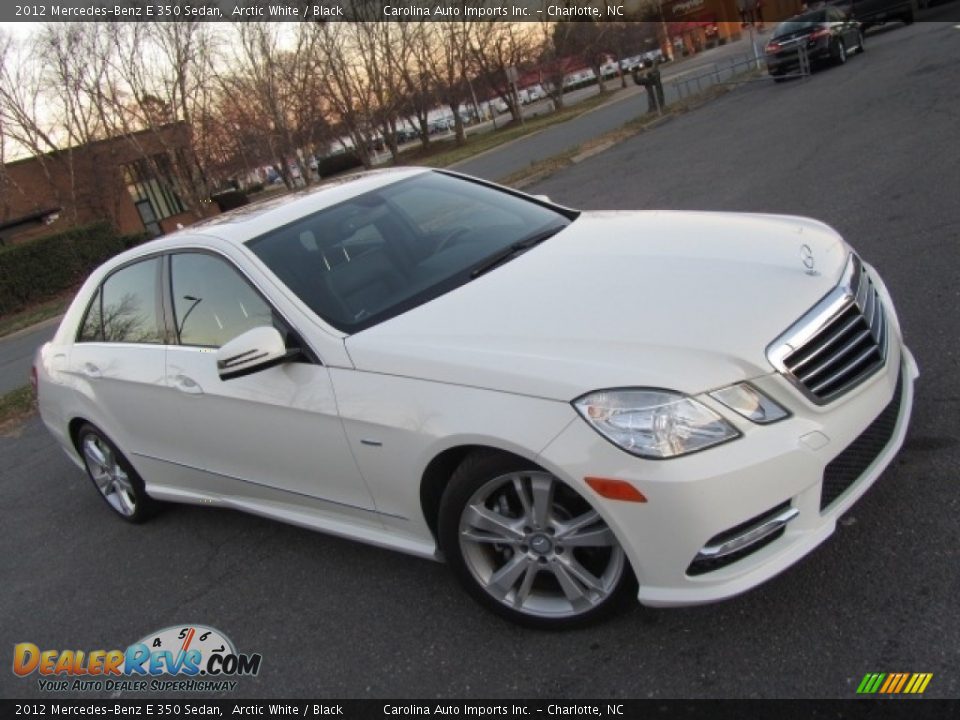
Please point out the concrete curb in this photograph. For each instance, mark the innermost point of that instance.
(620, 95)
(560, 161)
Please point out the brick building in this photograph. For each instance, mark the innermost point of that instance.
(695, 25)
(130, 181)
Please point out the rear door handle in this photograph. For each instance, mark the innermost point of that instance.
(92, 371)
(187, 385)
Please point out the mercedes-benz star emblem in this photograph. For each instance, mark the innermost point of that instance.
(806, 257)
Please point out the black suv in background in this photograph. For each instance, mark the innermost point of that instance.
(874, 12)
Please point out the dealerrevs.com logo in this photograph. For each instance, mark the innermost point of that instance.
(178, 658)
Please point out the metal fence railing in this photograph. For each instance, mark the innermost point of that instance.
(696, 81)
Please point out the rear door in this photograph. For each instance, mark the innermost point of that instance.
(118, 358)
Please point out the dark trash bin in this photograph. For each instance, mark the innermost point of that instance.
(653, 85)
(230, 199)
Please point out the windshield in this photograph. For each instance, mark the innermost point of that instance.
(805, 22)
(386, 251)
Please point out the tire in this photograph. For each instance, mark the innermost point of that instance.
(840, 56)
(779, 79)
(908, 17)
(112, 475)
(529, 547)
(861, 48)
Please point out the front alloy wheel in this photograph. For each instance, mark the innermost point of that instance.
(117, 482)
(841, 52)
(528, 546)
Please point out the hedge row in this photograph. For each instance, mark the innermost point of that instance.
(333, 164)
(41, 268)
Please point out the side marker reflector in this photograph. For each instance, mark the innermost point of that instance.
(615, 489)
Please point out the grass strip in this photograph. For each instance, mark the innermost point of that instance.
(15, 407)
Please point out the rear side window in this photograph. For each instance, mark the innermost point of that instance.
(212, 302)
(129, 308)
(92, 328)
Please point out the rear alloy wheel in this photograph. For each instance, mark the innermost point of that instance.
(861, 48)
(115, 479)
(528, 546)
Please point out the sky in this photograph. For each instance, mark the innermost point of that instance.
(20, 29)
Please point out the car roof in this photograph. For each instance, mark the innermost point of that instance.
(814, 14)
(250, 221)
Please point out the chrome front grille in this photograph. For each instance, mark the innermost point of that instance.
(839, 343)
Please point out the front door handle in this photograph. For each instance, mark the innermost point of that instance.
(187, 385)
(92, 371)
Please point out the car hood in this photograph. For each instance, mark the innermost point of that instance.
(682, 300)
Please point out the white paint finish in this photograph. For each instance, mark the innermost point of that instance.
(685, 301)
(416, 420)
(277, 428)
(693, 498)
(126, 384)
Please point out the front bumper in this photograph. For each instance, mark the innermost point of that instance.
(700, 496)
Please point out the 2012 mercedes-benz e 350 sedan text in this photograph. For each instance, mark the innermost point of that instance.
(570, 408)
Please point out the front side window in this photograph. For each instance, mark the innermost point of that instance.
(129, 307)
(386, 251)
(212, 302)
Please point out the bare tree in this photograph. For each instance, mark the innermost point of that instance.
(497, 46)
(417, 59)
(347, 91)
(6, 182)
(37, 119)
(382, 50)
(450, 67)
(150, 87)
(273, 77)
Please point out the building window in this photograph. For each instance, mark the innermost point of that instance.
(153, 196)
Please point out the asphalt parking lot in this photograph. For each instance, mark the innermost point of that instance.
(871, 148)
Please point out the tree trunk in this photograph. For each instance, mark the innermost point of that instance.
(461, 136)
(601, 83)
(390, 138)
(423, 128)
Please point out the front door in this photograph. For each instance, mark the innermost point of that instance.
(274, 430)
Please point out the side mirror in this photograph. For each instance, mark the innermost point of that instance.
(544, 198)
(253, 351)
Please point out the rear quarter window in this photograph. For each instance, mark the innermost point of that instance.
(91, 329)
(129, 307)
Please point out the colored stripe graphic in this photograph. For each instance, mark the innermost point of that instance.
(903, 679)
(877, 679)
(894, 683)
(892, 679)
(862, 687)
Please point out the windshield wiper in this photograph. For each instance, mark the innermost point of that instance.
(513, 250)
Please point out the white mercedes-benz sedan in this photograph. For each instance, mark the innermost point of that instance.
(570, 408)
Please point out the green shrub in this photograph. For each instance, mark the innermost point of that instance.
(133, 239)
(339, 163)
(37, 269)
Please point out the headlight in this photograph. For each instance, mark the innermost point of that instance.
(654, 423)
(744, 399)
